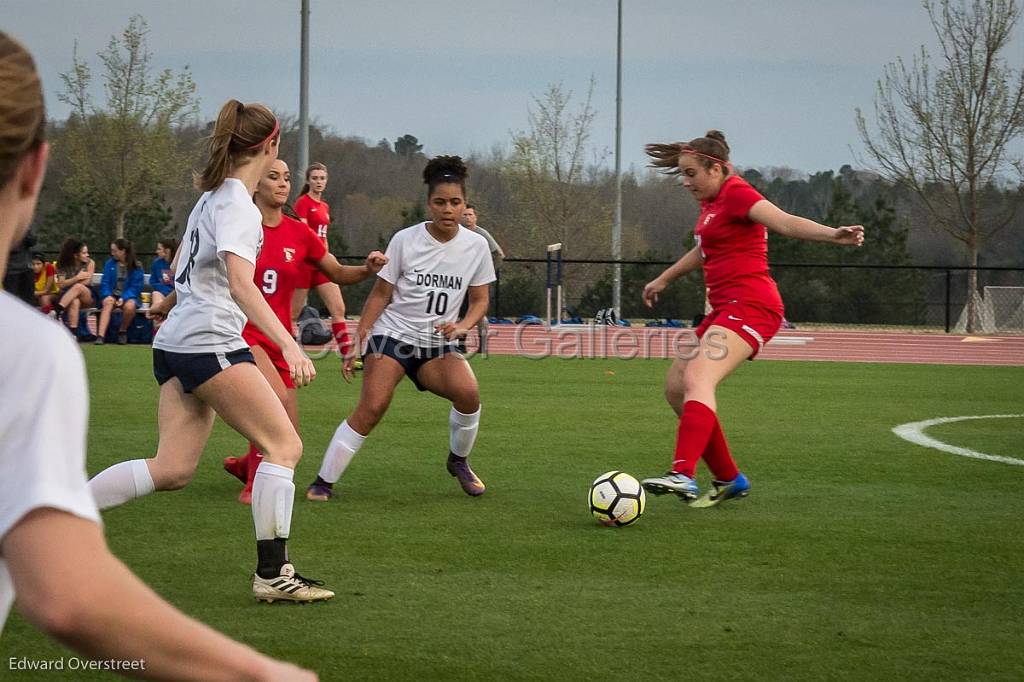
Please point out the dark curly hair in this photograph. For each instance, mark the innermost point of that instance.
(444, 169)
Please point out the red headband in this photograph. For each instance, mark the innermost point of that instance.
(706, 156)
(277, 126)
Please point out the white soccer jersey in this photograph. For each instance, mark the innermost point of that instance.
(430, 279)
(42, 424)
(206, 318)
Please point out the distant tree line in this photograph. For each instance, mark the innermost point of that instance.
(123, 166)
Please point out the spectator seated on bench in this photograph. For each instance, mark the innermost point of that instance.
(120, 289)
(75, 270)
(46, 282)
(161, 277)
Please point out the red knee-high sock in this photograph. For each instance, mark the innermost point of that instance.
(718, 457)
(695, 429)
(341, 337)
(252, 462)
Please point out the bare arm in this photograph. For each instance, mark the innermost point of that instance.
(50, 284)
(788, 225)
(378, 299)
(691, 260)
(479, 298)
(351, 274)
(112, 614)
(90, 270)
(256, 309)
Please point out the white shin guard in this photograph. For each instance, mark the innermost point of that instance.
(462, 429)
(120, 483)
(340, 451)
(273, 495)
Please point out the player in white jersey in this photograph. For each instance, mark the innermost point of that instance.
(204, 366)
(52, 551)
(410, 327)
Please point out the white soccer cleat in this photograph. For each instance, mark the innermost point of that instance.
(672, 482)
(289, 586)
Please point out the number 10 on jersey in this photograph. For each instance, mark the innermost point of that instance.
(437, 303)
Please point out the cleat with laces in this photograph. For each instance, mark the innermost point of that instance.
(470, 482)
(289, 586)
(672, 482)
(722, 491)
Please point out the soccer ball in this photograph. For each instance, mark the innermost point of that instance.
(616, 499)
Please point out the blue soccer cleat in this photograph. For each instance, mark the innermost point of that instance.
(722, 491)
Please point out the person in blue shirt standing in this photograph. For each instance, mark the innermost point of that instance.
(121, 288)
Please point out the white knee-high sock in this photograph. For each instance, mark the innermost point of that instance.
(122, 482)
(273, 495)
(462, 430)
(342, 448)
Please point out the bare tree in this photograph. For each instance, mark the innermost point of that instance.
(945, 131)
(124, 154)
(548, 171)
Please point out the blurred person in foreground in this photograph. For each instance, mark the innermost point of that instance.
(53, 555)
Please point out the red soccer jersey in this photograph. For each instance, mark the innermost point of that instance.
(288, 251)
(317, 215)
(735, 248)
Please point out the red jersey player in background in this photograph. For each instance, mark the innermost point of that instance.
(732, 248)
(315, 212)
(289, 249)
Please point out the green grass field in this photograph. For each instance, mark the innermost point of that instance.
(857, 555)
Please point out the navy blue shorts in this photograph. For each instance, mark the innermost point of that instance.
(410, 357)
(195, 369)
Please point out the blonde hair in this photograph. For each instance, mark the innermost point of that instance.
(710, 149)
(240, 132)
(22, 111)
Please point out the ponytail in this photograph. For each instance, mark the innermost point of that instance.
(711, 149)
(240, 132)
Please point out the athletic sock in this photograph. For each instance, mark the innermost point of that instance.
(340, 451)
(718, 457)
(462, 430)
(273, 495)
(271, 555)
(340, 332)
(252, 462)
(695, 428)
(122, 482)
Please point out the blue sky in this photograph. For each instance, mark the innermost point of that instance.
(781, 79)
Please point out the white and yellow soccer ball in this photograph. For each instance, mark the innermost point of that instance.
(617, 499)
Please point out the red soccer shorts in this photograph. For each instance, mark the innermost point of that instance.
(754, 323)
(256, 338)
(316, 278)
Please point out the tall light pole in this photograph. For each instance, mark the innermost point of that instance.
(617, 219)
(304, 91)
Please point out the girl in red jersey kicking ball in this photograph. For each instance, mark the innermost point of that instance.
(290, 248)
(732, 249)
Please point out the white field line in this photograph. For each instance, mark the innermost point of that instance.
(914, 432)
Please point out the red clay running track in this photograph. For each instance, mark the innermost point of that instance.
(845, 346)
